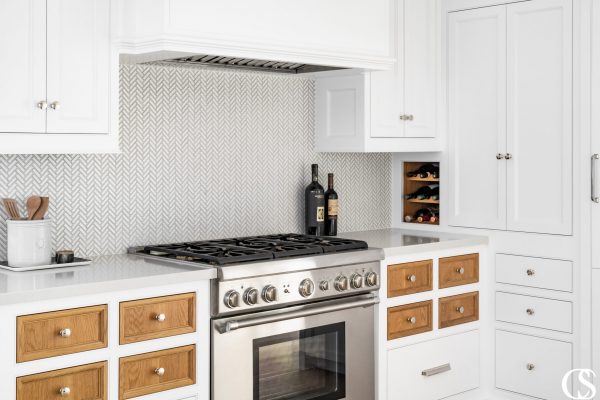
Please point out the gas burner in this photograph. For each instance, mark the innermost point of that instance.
(210, 252)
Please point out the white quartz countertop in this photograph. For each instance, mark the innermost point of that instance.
(105, 274)
(397, 242)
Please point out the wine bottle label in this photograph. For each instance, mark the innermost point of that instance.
(332, 208)
(320, 214)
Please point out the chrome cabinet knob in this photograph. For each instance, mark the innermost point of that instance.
(411, 278)
(530, 311)
(324, 286)
(530, 367)
(66, 332)
(232, 299)
(412, 320)
(251, 296)
(410, 117)
(403, 117)
(55, 105)
(269, 293)
(160, 317)
(508, 156)
(371, 279)
(460, 310)
(341, 283)
(42, 105)
(500, 156)
(356, 281)
(460, 271)
(530, 272)
(159, 371)
(307, 288)
(64, 391)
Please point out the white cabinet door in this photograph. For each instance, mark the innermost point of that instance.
(539, 131)
(78, 66)
(596, 132)
(420, 68)
(477, 117)
(23, 60)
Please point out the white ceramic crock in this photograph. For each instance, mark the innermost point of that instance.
(29, 243)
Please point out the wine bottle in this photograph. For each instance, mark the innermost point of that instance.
(426, 214)
(424, 192)
(331, 200)
(315, 205)
(435, 193)
(425, 171)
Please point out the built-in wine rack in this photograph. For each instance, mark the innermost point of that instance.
(411, 185)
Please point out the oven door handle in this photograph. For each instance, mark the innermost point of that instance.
(233, 325)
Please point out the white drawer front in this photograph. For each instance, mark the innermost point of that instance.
(530, 365)
(406, 366)
(534, 311)
(535, 272)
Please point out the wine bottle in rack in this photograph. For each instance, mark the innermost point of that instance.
(424, 192)
(425, 171)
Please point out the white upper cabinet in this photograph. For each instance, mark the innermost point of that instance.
(347, 33)
(510, 117)
(391, 111)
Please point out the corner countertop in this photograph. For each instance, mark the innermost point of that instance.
(398, 242)
(105, 274)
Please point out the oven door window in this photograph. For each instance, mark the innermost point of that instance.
(303, 365)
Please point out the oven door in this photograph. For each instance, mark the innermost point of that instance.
(323, 351)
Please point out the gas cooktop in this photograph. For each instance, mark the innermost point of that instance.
(254, 248)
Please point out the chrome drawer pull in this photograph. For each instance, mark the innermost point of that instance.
(159, 371)
(460, 271)
(530, 311)
(412, 320)
(460, 310)
(160, 317)
(530, 272)
(411, 278)
(66, 332)
(64, 391)
(530, 367)
(436, 370)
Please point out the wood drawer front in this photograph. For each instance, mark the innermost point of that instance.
(87, 382)
(139, 318)
(39, 335)
(459, 270)
(538, 312)
(458, 355)
(400, 322)
(410, 278)
(459, 309)
(535, 272)
(530, 365)
(138, 374)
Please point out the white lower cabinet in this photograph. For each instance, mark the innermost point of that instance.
(533, 311)
(435, 369)
(531, 365)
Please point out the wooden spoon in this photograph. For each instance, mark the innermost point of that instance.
(39, 214)
(33, 204)
(12, 208)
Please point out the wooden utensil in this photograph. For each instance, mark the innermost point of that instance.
(41, 212)
(33, 204)
(12, 208)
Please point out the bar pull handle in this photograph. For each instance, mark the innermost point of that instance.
(595, 196)
(436, 370)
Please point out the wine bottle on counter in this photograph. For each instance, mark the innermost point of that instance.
(425, 192)
(331, 201)
(315, 205)
(425, 171)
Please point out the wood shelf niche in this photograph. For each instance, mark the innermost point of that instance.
(411, 185)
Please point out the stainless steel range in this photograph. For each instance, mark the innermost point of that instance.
(292, 315)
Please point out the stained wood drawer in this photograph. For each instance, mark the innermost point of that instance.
(459, 270)
(535, 272)
(410, 278)
(459, 309)
(86, 382)
(409, 319)
(140, 374)
(61, 332)
(530, 365)
(534, 311)
(434, 369)
(157, 317)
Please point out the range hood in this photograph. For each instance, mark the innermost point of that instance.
(207, 60)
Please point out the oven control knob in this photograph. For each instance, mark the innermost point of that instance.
(251, 296)
(371, 279)
(269, 293)
(307, 287)
(324, 286)
(232, 299)
(356, 281)
(341, 283)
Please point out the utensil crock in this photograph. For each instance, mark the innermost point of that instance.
(29, 242)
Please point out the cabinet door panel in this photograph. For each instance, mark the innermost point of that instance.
(79, 66)
(539, 79)
(419, 67)
(477, 117)
(23, 78)
(596, 127)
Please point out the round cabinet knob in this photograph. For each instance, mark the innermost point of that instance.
(530, 367)
(324, 286)
(307, 287)
(42, 105)
(251, 296)
(232, 299)
(460, 271)
(460, 310)
(530, 272)
(371, 279)
(411, 278)
(356, 281)
(341, 283)
(55, 105)
(530, 311)
(66, 332)
(159, 371)
(508, 156)
(500, 156)
(160, 317)
(269, 293)
(412, 320)
(64, 391)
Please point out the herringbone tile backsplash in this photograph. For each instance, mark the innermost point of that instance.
(205, 154)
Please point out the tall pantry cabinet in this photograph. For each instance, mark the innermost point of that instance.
(511, 145)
